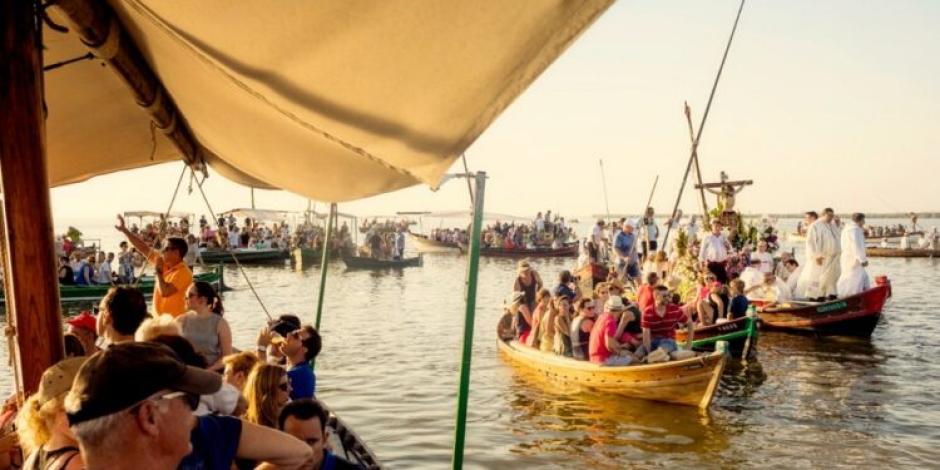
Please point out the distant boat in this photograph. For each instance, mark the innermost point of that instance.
(569, 250)
(360, 262)
(424, 244)
(244, 255)
(75, 293)
(878, 252)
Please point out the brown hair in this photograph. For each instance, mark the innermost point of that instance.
(261, 393)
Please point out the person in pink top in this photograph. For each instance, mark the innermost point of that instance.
(604, 345)
(659, 324)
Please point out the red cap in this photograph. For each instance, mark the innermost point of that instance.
(84, 320)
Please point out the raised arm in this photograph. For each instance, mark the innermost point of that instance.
(136, 241)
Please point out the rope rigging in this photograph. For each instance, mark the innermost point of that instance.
(234, 258)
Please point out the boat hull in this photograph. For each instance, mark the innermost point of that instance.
(358, 262)
(878, 252)
(244, 256)
(741, 336)
(856, 315)
(690, 382)
(94, 293)
(423, 244)
(568, 251)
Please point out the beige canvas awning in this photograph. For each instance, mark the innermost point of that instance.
(332, 100)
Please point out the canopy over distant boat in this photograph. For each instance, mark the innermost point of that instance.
(156, 215)
(331, 100)
(467, 214)
(258, 214)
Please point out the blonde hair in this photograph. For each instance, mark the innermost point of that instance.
(35, 421)
(159, 325)
(261, 393)
(241, 362)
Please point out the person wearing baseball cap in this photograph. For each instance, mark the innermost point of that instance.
(131, 406)
(84, 328)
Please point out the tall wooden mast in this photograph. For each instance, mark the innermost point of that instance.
(29, 262)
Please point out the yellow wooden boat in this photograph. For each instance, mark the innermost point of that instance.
(691, 382)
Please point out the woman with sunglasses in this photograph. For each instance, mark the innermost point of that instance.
(581, 327)
(204, 326)
(267, 390)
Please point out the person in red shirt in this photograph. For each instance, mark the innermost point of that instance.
(644, 296)
(659, 324)
(604, 345)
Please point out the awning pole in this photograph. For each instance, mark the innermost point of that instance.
(473, 265)
(324, 259)
(31, 289)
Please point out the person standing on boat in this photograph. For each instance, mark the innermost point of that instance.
(625, 245)
(528, 282)
(399, 252)
(854, 279)
(818, 280)
(714, 252)
(650, 233)
(172, 275)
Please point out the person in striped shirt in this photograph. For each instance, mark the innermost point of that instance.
(659, 324)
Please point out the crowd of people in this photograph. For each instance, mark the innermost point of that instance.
(163, 387)
(453, 236)
(544, 231)
(704, 280)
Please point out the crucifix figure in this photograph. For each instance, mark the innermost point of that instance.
(725, 190)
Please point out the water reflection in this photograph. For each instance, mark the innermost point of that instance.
(605, 429)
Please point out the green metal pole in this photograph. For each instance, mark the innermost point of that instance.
(473, 265)
(325, 258)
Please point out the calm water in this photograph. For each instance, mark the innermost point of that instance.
(391, 355)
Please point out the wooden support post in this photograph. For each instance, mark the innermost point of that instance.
(29, 262)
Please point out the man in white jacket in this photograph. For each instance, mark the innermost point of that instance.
(854, 278)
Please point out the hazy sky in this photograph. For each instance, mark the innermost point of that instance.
(822, 103)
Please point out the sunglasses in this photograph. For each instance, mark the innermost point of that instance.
(283, 386)
(191, 400)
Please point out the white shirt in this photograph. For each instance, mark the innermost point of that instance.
(103, 274)
(766, 261)
(751, 277)
(714, 249)
(597, 235)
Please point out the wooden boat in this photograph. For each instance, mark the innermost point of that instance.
(424, 244)
(568, 250)
(590, 275)
(96, 292)
(349, 445)
(796, 237)
(741, 335)
(856, 315)
(310, 256)
(878, 252)
(245, 256)
(361, 262)
(690, 382)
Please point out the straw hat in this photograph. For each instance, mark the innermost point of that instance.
(523, 266)
(614, 304)
(58, 378)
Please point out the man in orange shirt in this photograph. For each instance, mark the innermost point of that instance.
(173, 276)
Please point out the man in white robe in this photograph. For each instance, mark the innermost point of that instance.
(854, 278)
(821, 268)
